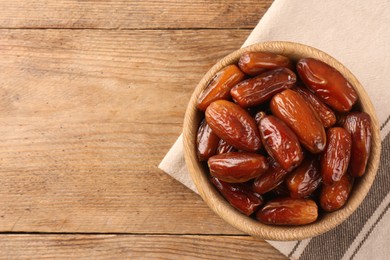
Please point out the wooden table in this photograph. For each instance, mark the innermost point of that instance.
(93, 95)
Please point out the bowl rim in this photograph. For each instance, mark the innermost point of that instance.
(215, 200)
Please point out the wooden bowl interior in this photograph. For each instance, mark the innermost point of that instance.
(219, 205)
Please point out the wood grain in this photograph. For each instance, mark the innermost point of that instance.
(134, 247)
(88, 114)
(118, 14)
(86, 118)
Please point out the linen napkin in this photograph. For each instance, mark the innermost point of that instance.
(357, 33)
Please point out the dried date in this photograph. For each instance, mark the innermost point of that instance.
(328, 83)
(335, 159)
(239, 196)
(237, 167)
(288, 211)
(254, 63)
(233, 124)
(292, 109)
(219, 87)
(255, 91)
(358, 125)
(280, 142)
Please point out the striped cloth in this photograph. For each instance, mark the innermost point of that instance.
(357, 33)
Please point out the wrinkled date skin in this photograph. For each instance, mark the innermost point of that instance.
(220, 86)
(259, 115)
(280, 142)
(328, 84)
(288, 211)
(255, 91)
(237, 167)
(335, 159)
(273, 177)
(224, 147)
(239, 196)
(293, 110)
(305, 179)
(328, 118)
(358, 125)
(207, 142)
(334, 196)
(234, 125)
(254, 63)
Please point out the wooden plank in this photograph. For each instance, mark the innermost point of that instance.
(86, 117)
(134, 247)
(118, 14)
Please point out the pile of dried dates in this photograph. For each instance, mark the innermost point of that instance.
(283, 141)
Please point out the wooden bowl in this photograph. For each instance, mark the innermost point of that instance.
(246, 224)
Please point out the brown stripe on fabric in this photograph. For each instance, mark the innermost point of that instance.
(370, 231)
(294, 248)
(333, 244)
(385, 123)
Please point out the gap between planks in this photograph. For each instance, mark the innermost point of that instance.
(121, 234)
(131, 29)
